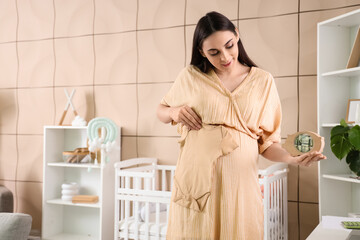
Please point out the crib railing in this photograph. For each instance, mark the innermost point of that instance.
(274, 180)
(139, 185)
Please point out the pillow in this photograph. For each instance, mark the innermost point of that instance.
(15, 226)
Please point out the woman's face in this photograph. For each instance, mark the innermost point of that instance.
(221, 49)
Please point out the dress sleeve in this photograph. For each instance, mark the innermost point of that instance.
(270, 117)
(179, 91)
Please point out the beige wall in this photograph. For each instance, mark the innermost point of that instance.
(122, 56)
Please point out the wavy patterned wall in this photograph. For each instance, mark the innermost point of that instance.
(122, 57)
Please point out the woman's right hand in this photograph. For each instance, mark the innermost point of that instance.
(185, 115)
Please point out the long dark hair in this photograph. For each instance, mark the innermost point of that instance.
(207, 25)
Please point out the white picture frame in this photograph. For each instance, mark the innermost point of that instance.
(351, 110)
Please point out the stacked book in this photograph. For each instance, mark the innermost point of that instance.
(85, 199)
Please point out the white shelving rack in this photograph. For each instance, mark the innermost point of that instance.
(63, 220)
(339, 192)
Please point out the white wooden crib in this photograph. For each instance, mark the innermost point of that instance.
(143, 191)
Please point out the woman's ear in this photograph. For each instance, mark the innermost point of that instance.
(202, 53)
(237, 35)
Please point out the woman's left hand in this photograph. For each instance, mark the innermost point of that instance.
(307, 159)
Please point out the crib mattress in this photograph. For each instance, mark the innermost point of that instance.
(142, 226)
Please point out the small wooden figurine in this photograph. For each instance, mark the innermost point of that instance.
(69, 103)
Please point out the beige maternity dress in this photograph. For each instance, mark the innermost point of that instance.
(252, 114)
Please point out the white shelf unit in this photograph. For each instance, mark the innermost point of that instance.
(64, 219)
(328, 125)
(339, 193)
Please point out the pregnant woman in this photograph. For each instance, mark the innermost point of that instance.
(228, 112)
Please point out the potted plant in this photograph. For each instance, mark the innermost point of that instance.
(345, 141)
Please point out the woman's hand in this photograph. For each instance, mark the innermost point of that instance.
(307, 159)
(277, 153)
(185, 115)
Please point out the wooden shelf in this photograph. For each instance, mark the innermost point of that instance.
(74, 165)
(69, 203)
(65, 127)
(351, 72)
(69, 236)
(335, 124)
(342, 177)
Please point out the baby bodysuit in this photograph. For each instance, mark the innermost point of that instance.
(198, 152)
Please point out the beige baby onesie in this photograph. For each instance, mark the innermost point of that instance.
(199, 150)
